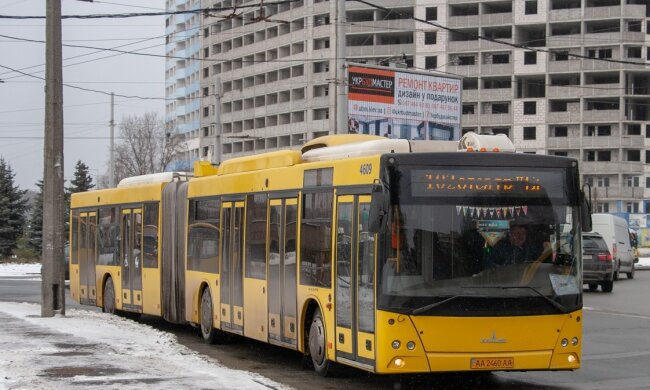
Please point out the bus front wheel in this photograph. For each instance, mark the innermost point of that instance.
(318, 344)
(208, 332)
(109, 297)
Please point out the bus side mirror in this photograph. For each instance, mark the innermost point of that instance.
(379, 206)
(585, 210)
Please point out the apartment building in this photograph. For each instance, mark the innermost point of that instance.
(182, 78)
(578, 87)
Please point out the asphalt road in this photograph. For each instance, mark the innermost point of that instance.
(616, 349)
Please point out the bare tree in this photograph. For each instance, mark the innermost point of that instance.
(145, 146)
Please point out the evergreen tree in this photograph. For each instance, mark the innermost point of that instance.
(13, 207)
(82, 180)
(36, 220)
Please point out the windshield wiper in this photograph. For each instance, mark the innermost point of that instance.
(555, 304)
(430, 306)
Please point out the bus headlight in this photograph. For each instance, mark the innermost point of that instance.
(396, 344)
(574, 341)
(564, 342)
(410, 345)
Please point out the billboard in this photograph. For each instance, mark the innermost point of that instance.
(397, 103)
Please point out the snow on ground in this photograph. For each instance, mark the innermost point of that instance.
(15, 269)
(98, 350)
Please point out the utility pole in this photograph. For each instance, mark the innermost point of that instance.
(53, 284)
(341, 121)
(111, 169)
(216, 156)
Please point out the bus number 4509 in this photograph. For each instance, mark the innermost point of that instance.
(365, 169)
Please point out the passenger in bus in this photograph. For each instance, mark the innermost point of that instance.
(516, 249)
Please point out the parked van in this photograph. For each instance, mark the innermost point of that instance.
(616, 234)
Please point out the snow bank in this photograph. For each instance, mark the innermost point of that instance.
(15, 269)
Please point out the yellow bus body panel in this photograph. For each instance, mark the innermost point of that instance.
(450, 343)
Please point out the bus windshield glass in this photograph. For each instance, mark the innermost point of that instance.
(477, 241)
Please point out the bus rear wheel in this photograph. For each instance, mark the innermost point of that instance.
(208, 332)
(317, 345)
(109, 297)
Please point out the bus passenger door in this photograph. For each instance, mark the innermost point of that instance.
(232, 278)
(282, 279)
(91, 257)
(355, 314)
(82, 255)
(131, 262)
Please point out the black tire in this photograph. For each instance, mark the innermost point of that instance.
(208, 332)
(607, 286)
(108, 305)
(618, 266)
(317, 338)
(593, 287)
(630, 275)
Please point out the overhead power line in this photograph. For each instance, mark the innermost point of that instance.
(141, 14)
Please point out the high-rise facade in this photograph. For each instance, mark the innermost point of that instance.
(182, 78)
(575, 84)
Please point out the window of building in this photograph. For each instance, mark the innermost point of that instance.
(600, 131)
(647, 131)
(561, 55)
(634, 129)
(600, 53)
(432, 13)
(632, 207)
(466, 60)
(431, 62)
(602, 181)
(634, 52)
(561, 153)
(604, 155)
(206, 91)
(501, 130)
(530, 133)
(632, 181)
(602, 207)
(530, 7)
(430, 37)
(503, 58)
(500, 108)
(560, 131)
(468, 109)
(530, 108)
(647, 156)
(530, 57)
(633, 155)
(647, 182)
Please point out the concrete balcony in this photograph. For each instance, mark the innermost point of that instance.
(564, 66)
(470, 95)
(372, 27)
(380, 50)
(564, 40)
(601, 167)
(563, 143)
(558, 15)
(563, 91)
(496, 94)
(602, 115)
(496, 119)
(454, 46)
(463, 70)
(591, 90)
(601, 142)
(463, 21)
(588, 65)
(563, 117)
(628, 11)
(470, 120)
(488, 45)
(497, 69)
(496, 19)
(618, 192)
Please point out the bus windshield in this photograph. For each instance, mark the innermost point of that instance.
(472, 241)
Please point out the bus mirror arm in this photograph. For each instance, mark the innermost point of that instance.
(379, 206)
(585, 208)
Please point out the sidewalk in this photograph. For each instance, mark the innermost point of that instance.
(89, 349)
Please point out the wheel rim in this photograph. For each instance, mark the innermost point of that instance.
(109, 298)
(317, 341)
(206, 314)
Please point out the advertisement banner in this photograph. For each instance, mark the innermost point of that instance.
(396, 103)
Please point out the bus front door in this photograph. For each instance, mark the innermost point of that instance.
(355, 303)
(232, 278)
(87, 256)
(282, 279)
(131, 262)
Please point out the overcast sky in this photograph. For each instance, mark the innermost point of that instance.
(86, 114)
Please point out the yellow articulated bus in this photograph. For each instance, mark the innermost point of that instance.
(392, 256)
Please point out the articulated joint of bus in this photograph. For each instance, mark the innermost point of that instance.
(416, 344)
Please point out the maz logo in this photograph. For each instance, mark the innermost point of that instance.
(494, 339)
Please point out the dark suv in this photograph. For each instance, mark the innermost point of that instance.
(598, 267)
